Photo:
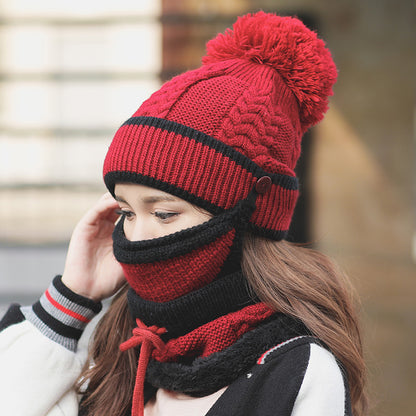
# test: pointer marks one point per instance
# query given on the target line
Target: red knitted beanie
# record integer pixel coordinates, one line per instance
(213, 134)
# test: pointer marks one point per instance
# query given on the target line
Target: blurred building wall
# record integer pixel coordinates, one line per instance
(69, 75)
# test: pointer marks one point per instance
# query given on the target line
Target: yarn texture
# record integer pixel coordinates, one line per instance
(286, 45)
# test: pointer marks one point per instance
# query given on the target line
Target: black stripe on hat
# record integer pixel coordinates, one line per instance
(285, 181)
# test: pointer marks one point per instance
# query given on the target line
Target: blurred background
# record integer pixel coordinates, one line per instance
(72, 72)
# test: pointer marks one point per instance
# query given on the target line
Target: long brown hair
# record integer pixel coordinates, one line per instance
(109, 373)
(306, 284)
(291, 279)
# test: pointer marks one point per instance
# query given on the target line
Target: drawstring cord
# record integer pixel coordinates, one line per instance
(149, 339)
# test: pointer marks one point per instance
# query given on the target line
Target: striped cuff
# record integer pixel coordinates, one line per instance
(61, 314)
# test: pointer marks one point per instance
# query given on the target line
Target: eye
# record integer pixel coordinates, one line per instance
(125, 213)
(164, 216)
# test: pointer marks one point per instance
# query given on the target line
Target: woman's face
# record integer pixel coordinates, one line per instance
(150, 213)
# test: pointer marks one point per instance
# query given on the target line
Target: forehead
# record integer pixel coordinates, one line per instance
(141, 192)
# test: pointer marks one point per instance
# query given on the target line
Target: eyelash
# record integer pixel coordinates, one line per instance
(124, 213)
(163, 216)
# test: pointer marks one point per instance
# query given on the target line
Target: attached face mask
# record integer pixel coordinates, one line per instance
(165, 268)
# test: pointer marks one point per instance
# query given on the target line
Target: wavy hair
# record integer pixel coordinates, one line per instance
(306, 284)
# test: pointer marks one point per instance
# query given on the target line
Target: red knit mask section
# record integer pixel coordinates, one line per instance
(216, 335)
(169, 279)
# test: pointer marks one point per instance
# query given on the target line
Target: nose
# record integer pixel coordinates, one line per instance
(137, 230)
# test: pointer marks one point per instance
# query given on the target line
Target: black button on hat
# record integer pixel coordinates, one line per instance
(263, 184)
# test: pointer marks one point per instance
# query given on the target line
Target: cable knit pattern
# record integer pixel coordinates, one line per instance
(287, 45)
(160, 102)
(252, 126)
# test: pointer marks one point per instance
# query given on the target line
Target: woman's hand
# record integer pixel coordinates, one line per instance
(91, 269)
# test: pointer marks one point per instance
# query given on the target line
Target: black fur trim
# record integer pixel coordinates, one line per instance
(204, 376)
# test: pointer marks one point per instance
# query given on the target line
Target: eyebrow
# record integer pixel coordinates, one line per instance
(158, 198)
(150, 199)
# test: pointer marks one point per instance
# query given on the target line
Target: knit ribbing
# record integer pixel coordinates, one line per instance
(61, 314)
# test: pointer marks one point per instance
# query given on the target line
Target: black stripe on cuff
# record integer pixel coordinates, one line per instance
(74, 297)
(55, 325)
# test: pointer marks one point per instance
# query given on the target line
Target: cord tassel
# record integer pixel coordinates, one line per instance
(149, 339)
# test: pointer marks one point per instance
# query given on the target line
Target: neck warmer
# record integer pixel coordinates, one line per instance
(210, 337)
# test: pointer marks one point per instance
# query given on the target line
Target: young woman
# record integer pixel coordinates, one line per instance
(214, 313)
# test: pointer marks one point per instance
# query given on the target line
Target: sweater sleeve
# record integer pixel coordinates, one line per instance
(39, 360)
(322, 391)
(36, 373)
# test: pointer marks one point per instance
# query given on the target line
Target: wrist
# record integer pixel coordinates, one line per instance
(78, 288)
(61, 314)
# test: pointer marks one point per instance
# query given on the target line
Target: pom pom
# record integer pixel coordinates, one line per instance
(287, 45)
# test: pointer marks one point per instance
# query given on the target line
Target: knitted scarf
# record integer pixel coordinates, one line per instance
(207, 349)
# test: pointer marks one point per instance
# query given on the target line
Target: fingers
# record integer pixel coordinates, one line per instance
(113, 216)
(110, 208)
(104, 209)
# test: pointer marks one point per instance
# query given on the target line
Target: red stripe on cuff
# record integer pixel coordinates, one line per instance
(66, 310)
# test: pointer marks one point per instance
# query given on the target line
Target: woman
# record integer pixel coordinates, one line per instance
(221, 316)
